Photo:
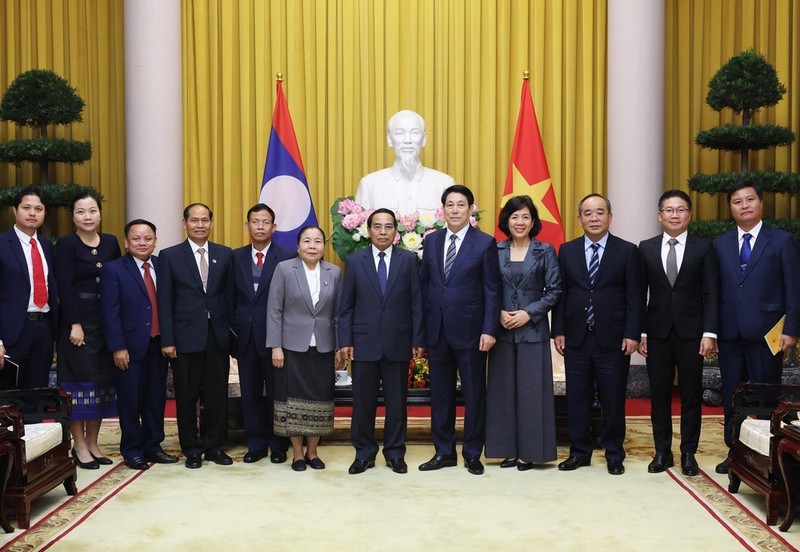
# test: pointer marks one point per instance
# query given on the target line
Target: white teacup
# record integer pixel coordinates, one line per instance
(342, 377)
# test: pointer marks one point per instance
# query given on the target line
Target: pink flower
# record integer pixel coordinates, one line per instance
(396, 238)
(429, 231)
(351, 221)
(409, 222)
(440, 213)
(346, 206)
(473, 208)
(473, 222)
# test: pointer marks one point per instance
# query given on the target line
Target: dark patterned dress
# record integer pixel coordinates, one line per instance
(87, 373)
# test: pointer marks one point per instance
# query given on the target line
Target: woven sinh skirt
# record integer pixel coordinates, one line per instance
(304, 394)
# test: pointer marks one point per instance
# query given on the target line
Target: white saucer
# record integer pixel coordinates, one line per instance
(346, 383)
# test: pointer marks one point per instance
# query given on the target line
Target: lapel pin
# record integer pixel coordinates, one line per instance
(213, 261)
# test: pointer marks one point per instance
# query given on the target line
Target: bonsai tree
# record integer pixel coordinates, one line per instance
(746, 83)
(40, 99)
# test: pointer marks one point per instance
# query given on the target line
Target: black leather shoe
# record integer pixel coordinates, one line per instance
(360, 466)
(398, 465)
(91, 465)
(102, 460)
(278, 456)
(299, 465)
(689, 464)
(573, 463)
(219, 457)
(438, 462)
(524, 466)
(616, 468)
(160, 457)
(137, 463)
(661, 461)
(508, 463)
(722, 467)
(316, 463)
(193, 461)
(474, 466)
(254, 456)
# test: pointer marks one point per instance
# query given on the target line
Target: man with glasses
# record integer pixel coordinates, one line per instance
(680, 287)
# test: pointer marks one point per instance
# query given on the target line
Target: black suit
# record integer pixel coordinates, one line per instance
(29, 343)
(256, 378)
(675, 319)
(197, 323)
(594, 355)
(382, 329)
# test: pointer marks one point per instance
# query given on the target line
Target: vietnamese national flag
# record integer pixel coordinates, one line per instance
(528, 173)
(284, 186)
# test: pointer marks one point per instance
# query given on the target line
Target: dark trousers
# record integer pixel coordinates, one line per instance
(257, 385)
(662, 357)
(33, 352)
(470, 364)
(141, 395)
(202, 376)
(740, 361)
(367, 377)
(584, 366)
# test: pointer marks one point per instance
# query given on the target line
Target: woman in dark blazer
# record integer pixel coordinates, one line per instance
(301, 330)
(520, 413)
(85, 367)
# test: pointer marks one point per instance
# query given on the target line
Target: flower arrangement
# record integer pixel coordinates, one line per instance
(418, 373)
(350, 232)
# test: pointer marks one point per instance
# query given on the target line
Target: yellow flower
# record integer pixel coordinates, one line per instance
(412, 241)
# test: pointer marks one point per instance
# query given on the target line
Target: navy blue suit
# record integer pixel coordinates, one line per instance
(141, 389)
(752, 302)
(251, 352)
(382, 329)
(29, 343)
(458, 310)
(594, 354)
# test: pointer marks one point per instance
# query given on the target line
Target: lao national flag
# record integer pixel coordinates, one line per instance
(528, 173)
(284, 186)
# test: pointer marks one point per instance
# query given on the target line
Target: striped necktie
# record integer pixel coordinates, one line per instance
(594, 264)
(450, 256)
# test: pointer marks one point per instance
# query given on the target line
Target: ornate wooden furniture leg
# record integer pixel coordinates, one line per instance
(6, 463)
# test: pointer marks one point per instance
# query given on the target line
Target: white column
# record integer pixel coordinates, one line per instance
(153, 116)
(635, 115)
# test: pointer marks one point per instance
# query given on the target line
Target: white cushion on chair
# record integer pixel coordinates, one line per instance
(755, 435)
(39, 438)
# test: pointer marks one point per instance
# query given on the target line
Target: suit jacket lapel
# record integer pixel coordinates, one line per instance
(133, 270)
(325, 286)
(16, 249)
(246, 272)
(368, 265)
(761, 244)
(302, 283)
(606, 259)
(191, 264)
(395, 267)
(463, 252)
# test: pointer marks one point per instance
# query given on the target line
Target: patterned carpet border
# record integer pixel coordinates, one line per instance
(73, 512)
(749, 530)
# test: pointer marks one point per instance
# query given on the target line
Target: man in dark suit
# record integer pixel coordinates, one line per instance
(680, 287)
(461, 295)
(380, 330)
(195, 305)
(596, 328)
(253, 266)
(28, 296)
(760, 273)
(131, 325)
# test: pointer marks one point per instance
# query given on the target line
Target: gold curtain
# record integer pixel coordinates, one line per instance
(348, 65)
(81, 40)
(700, 37)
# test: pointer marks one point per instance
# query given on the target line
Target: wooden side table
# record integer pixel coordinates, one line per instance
(788, 451)
(6, 463)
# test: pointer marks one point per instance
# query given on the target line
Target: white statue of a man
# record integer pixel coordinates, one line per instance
(407, 185)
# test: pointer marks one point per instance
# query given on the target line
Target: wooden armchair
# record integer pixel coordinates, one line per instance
(38, 431)
(756, 421)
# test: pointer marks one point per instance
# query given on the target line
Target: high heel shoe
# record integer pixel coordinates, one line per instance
(102, 460)
(93, 465)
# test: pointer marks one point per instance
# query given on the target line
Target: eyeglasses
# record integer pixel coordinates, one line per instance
(675, 210)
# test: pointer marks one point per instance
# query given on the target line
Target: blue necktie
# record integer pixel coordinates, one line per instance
(450, 256)
(744, 254)
(594, 264)
(382, 272)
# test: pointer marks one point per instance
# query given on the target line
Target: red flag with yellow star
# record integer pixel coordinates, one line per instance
(528, 173)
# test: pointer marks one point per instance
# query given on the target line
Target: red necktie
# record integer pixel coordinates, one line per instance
(260, 257)
(150, 286)
(39, 283)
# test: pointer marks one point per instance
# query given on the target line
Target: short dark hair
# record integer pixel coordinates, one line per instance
(515, 204)
(680, 194)
(379, 211)
(580, 203)
(29, 190)
(310, 227)
(136, 222)
(458, 189)
(745, 184)
(86, 195)
(189, 207)
(258, 207)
